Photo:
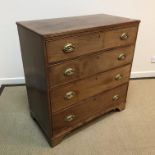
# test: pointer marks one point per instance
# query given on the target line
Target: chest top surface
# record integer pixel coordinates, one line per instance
(61, 26)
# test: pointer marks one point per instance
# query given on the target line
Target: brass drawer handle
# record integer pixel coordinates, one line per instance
(68, 48)
(69, 72)
(69, 118)
(122, 56)
(118, 77)
(69, 95)
(124, 36)
(115, 97)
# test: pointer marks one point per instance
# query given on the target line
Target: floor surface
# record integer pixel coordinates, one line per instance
(130, 132)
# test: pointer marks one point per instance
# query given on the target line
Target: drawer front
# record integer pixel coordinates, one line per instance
(88, 109)
(120, 37)
(64, 96)
(87, 66)
(70, 47)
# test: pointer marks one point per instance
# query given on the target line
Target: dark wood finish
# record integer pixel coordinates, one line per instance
(71, 25)
(88, 87)
(88, 109)
(87, 66)
(84, 43)
(88, 43)
(96, 43)
(32, 50)
(112, 38)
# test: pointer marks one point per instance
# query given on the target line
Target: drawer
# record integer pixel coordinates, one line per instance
(66, 95)
(70, 47)
(87, 66)
(74, 46)
(120, 37)
(88, 109)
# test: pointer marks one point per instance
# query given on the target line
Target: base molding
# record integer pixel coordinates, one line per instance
(16, 80)
(142, 74)
(21, 80)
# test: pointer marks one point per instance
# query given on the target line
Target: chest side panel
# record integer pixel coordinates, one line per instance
(32, 51)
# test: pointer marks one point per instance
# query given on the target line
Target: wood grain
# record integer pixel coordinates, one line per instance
(32, 48)
(88, 87)
(88, 109)
(97, 44)
(90, 65)
(112, 38)
(71, 25)
(88, 43)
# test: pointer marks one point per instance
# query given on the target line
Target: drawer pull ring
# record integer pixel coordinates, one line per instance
(68, 48)
(118, 77)
(69, 118)
(122, 56)
(69, 95)
(115, 97)
(69, 72)
(124, 36)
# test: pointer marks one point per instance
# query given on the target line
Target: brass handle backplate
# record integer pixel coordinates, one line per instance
(122, 56)
(69, 118)
(115, 97)
(118, 77)
(124, 36)
(69, 72)
(69, 95)
(68, 48)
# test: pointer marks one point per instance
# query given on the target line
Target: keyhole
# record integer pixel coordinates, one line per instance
(97, 57)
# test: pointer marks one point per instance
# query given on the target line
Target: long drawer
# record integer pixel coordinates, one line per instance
(88, 109)
(74, 46)
(66, 95)
(87, 66)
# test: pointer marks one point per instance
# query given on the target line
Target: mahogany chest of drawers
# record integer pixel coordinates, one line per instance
(76, 69)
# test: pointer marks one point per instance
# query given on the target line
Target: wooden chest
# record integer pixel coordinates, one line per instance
(76, 69)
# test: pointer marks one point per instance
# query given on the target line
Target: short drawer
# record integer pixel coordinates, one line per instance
(88, 109)
(66, 95)
(70, 47)
(120, 37)
(90, 65)
(74, 46)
